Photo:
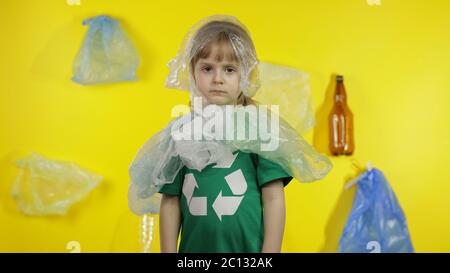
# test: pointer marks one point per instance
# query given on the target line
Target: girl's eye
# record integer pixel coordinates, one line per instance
(207, 69)
(230, 69)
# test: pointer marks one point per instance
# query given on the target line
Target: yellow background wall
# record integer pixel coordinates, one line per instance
(395, 59)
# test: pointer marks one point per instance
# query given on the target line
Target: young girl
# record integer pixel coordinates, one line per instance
(229, 202)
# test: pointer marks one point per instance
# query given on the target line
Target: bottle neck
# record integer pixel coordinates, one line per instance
(340, 96)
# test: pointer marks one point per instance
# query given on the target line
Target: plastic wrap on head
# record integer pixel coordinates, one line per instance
(203, 33)
(160, 159)
(266, 83)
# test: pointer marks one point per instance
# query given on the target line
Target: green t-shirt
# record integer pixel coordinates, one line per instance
(221, 206)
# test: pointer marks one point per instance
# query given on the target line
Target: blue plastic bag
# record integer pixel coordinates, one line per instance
(107, 55)
(376, 222)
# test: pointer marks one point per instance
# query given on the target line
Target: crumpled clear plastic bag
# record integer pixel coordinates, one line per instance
(296, 156)
(107, 54)
(48, 187)
(159, 160)
(376, 222)
(202, 33)
(290, 88)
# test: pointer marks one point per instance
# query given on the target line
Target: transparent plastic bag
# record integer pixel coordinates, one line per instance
(296, 156)
(376, 222)
(160, 159)
(107, 55)
(48, 187)
(289, 88)
(202, 33)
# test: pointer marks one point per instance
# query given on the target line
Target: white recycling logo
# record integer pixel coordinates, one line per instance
(223, 205)
(197, 205)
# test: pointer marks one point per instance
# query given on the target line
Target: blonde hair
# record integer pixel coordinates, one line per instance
(222, 38)
(244, 100)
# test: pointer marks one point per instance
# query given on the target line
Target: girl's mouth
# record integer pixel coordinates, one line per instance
(217, 92)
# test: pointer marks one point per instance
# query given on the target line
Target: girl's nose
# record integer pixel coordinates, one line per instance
(218, 79)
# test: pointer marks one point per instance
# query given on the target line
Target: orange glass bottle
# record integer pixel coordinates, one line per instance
(341, 122)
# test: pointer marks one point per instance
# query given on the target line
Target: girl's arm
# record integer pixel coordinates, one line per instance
(169, 223)
(274, 216)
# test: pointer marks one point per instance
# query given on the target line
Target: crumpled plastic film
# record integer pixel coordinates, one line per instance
(201, 34)
(376, 223)
(48, 187)
(156, 161)
(107, 55)
(160, 159)
(289, 88)
(293, 153)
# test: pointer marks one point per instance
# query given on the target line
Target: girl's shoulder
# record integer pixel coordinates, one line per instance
(253, 157)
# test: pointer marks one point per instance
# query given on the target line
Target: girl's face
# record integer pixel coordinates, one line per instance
(218, 78)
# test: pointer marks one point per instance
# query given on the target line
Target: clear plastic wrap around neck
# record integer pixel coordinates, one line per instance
(180, 144)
